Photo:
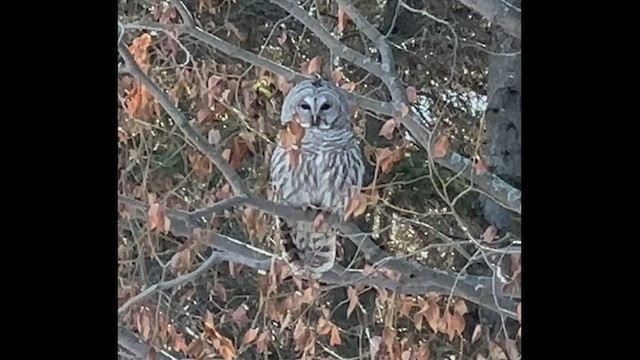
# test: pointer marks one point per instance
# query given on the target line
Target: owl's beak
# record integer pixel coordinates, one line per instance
(314, 120)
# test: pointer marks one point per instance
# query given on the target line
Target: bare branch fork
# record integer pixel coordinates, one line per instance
(490, 184)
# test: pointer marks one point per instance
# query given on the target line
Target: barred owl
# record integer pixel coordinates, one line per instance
(328, 173)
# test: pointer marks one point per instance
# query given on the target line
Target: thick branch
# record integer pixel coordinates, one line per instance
(497, 12)
(388, 64)
(238, 186)
(415, 279)
(187, 18)
(128, 340)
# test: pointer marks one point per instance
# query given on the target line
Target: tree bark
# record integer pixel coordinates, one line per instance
(503, 125)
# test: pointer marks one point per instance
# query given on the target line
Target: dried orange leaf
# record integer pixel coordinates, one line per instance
(412, 94)
(477, 332)
(406, 307)
(417, 321)
(519, 311)
(336, 76)
(226, 154)
(348, 86)
(283, 85)
(154, 215)
(495, 352)
(146, 327)
(219, 290)
(441, 147)
(286, 138)
(406, 355)
(490, 234)
(167, 224)
(386, 130)
(424, 352)
(324, 327)
(318, 221)
(388, 336)
(157, 218)
(286, 322)
(249, 336)
(226, 348)
(214, 136)
(511, 349)
(455, 323)
(432, 314)
(239, 315)
(343, 18)
(263, 341)
(294, 158)
(314, 66)
(335, 336)
(460, 307)
(299, 330)
(203, 114)
(481, 166)
(151, 354)
(356, 206)
(282, 38)
(386, 158)
(404, 110)
(295, 128)
(224, 192)
(352, 295)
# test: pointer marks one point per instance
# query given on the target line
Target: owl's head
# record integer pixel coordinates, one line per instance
(318, 104)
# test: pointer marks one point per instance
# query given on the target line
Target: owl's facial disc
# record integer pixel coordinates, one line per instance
(315, 111)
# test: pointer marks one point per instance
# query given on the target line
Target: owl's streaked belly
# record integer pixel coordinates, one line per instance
(325, 179)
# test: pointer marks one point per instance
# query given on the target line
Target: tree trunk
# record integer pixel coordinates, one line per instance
(503, 122)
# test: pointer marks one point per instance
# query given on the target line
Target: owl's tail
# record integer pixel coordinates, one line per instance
(310, 250)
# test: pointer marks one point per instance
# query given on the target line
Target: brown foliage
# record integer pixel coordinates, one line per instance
(234, 106)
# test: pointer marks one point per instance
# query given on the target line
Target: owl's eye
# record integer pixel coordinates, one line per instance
(325, 106)
(305, 106)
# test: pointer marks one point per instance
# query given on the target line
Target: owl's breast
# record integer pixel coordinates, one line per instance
(325, 179)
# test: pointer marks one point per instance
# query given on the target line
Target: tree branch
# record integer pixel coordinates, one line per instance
(238, 186)
(128, 340)
(415, 278)
(186, 16)
(336, 47)
(388, 63)
(170, 283)
(497, 12)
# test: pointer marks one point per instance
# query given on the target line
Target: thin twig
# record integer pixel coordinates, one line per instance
(171, 283)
